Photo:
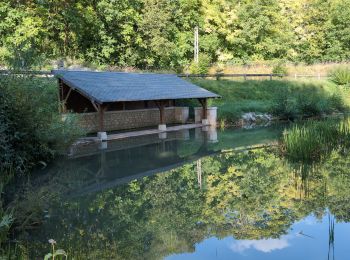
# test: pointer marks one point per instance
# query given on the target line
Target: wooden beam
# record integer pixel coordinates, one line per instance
(161, 106)
(60, 95)
(94, 105)
(101, 112)
(204, 104)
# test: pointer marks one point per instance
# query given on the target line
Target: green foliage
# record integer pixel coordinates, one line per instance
(150, 34)
(280, 68)
(202, 66)
(31, 128)
(340, 76)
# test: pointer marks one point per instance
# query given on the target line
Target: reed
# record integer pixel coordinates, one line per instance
(315, 139)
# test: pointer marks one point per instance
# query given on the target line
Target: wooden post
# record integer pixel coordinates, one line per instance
(204, 104)
(161, 104)
(101, 111)
(270, 76)
(64, 101)
(60, 96)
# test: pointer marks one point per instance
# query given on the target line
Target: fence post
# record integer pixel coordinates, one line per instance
(270, 76)
(245, 76)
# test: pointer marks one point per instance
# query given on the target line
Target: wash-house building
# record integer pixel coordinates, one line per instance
(108, 101)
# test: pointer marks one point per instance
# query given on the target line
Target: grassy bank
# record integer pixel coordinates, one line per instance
(284, 99)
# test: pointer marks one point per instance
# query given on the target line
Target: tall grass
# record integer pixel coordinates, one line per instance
(340, 76)
(316, 139)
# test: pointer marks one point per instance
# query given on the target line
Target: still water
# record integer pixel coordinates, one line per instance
(194, 195)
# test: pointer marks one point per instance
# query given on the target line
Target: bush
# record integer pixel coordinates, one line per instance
(340, 76)
(31, 129)
(202, 66)
(280, 68)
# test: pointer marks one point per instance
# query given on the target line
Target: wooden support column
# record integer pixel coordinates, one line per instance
(101, 112)
(204, 104)
(64, 102)
(161, 106)
(60, 89)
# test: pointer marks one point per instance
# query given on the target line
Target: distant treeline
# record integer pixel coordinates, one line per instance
(158, 34)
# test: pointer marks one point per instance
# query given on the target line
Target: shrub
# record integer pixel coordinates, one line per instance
(202, 66)
(31, 129)
(280, 68)
(340, 76)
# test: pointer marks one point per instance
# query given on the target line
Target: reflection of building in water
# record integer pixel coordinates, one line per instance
(134, 158)
(208, 133)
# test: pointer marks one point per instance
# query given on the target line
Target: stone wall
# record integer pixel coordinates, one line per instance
(129, 119)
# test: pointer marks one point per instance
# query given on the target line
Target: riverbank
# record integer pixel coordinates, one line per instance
(282, 99)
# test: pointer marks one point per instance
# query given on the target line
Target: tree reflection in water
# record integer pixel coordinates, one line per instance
(251, 195)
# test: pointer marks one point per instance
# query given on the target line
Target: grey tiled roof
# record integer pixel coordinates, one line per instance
(121, 86)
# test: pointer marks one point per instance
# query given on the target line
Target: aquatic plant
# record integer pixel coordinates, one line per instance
(315, 139)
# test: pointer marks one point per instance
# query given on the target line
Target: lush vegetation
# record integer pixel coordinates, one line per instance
(31, 128)
(124, 33)
(31, 133)
(284, 99)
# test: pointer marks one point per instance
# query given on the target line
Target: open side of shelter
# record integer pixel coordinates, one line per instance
(108, 101)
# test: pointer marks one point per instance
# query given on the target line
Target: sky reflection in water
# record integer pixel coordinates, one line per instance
(292, 246)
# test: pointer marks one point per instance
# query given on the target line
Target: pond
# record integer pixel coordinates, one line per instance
(194, 194)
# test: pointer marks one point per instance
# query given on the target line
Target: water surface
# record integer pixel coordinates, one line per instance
(195, 195)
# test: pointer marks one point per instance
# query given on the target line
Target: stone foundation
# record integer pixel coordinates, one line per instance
(129, 119)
